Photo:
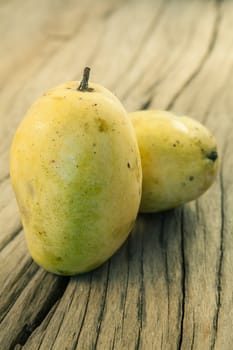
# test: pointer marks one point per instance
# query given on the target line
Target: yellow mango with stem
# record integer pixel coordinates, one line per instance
(76, 172)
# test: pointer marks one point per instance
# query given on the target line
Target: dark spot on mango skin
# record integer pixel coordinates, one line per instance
(101, 124)
(176, 143)
(212, 156)
(191, 178)
(25, 213)
(42, 233)
(128, 165)
(58, 258)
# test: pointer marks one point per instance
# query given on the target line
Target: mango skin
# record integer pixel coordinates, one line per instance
(76, 172)
(177, 155)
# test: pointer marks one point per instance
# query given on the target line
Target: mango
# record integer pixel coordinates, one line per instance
(76, 173)
(179, 158)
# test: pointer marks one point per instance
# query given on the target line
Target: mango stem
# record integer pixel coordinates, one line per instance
(84, 83)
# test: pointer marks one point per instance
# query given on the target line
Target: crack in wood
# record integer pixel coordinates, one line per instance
(141, 297)
(28, 269)
(137, 346)
(114, 339)
(221, 256)
(168, 288)
(199, 68)
(60, 287)
(183, 278)
(61, 319)
(163, 245)
(193, 333)
(146, 104)
(100, 319)
(84, 314)
(126, 288)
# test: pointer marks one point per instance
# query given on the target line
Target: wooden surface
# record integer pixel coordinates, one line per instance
(171, 285)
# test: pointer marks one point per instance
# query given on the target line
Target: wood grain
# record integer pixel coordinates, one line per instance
(170, 285)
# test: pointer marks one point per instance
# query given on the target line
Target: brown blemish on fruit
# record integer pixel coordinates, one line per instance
(191, 178)
(24, 212)
(42, 233)
(102, 124)
(86, 126)
(58, 258)
(94, 145)
(128, 165)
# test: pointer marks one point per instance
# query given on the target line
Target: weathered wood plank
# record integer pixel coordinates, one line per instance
(208, 97)
(170, 286)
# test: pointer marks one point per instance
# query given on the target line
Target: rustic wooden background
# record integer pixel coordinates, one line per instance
(171, 285)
